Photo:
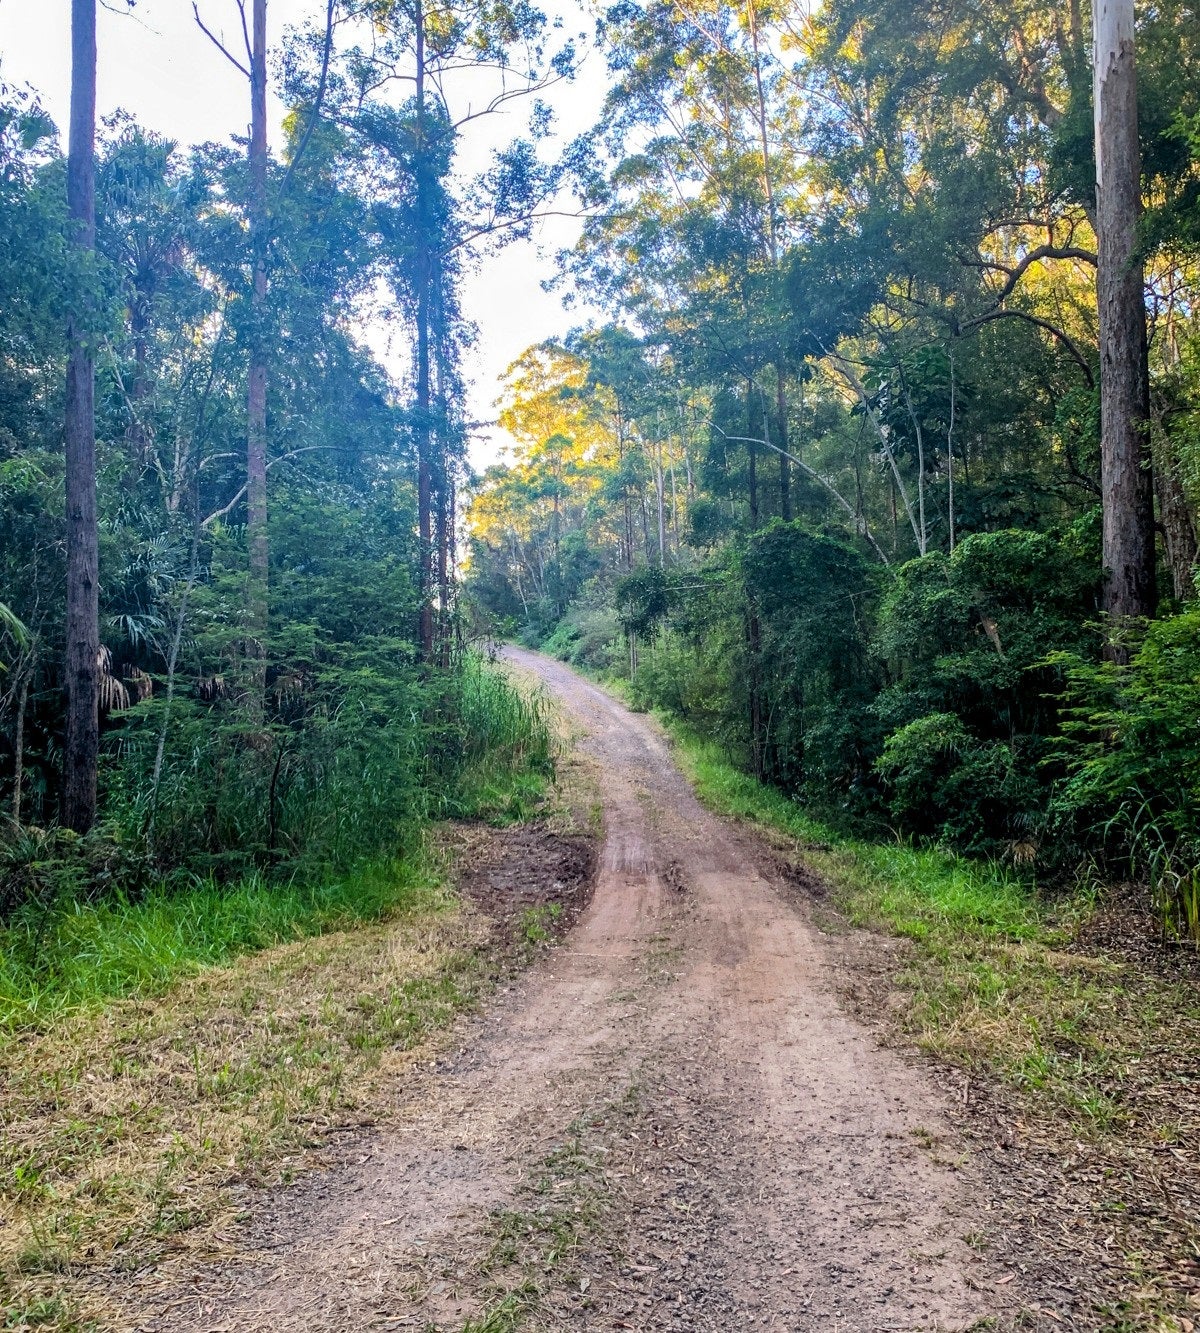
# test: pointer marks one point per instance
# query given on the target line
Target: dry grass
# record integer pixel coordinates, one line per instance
(123, 1129)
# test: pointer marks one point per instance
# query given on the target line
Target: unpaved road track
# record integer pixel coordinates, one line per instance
(772, 1167)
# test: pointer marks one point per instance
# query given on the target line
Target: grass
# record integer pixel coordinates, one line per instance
(123, 1125)
(73, 951)
(914, 891)
(77, 954)
(1096, 1050)
(991, 978)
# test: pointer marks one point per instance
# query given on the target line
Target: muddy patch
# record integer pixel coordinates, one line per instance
(518, 869)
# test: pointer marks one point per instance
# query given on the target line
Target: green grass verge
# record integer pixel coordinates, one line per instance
(914, 891)
(992, 980)
(73, 954)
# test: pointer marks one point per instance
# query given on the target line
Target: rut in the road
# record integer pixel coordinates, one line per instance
(748, 1156)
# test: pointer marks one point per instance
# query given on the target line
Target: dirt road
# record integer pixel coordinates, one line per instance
(670, 1123)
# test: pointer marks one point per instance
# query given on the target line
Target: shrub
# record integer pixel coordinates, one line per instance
(944, 783)
(1131, 747)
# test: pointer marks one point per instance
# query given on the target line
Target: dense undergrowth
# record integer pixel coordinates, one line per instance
(128, 909)
(160, 1045)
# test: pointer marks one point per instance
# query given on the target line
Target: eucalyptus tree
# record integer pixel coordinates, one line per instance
(82, 745)
(1124, 371)
(404, 87)
(704, 194)
(252, 64)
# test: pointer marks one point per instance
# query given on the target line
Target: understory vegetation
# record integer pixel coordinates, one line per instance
(831, 485)
(235, 692)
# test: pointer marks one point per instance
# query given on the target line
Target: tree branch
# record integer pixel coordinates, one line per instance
(1055, 332)
(846, 370)
(859, 520)
(216, 41)
(318, 101)
(283, 458)
(1035, 256)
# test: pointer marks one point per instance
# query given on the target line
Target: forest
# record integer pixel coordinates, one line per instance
(831, 485)
(229, 651)
(715, 845)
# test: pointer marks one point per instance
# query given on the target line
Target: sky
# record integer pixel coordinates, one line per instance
(156, 64)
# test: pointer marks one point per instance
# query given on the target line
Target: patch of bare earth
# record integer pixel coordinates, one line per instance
(669, 1122)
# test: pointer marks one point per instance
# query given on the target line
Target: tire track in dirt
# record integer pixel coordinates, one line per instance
(781, 1171)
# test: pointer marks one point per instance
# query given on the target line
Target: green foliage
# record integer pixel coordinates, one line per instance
(814, 598)
(588, 636)
(1131, 749)
(944, 783)
(43, 867)
(642, 599)
(76, 953)
(972, 709)
(324, 827)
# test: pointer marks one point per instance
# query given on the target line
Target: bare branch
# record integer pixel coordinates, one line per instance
(216, 41)
(1035, 256)
(249, 45)
(1076, 355)
(283, 458)
(492, 228)
(846, 370)
(859, 520)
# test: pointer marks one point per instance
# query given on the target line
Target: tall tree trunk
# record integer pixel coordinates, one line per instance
(83, 557)
(1126, 487)
(442, 479)
(660, 487)
(950, 451)
(785, 463)
(172, 664)
(785, 479)
(19, 743)
(137, 434)
(754, 683)
(424, 282)
(256, 399)
(624, 488)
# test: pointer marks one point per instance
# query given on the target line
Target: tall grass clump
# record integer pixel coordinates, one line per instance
(505, 743)
(260, 829)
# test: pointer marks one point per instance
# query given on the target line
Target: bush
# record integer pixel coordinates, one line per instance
(1131, 746)
(942, 782)
(972, 709)
(588, 637)
(43, 866)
